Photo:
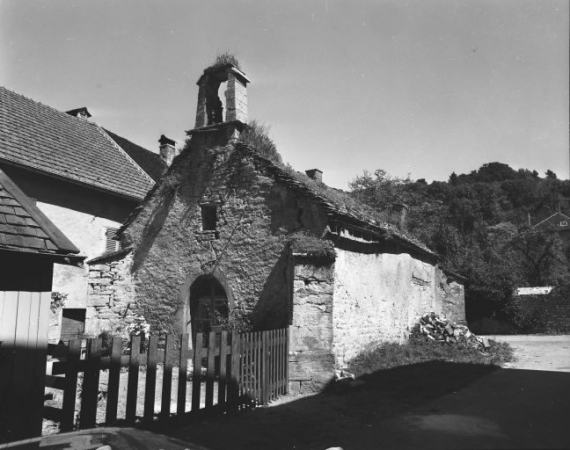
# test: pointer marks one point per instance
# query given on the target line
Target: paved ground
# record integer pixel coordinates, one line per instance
(539, 352)
(467, 406)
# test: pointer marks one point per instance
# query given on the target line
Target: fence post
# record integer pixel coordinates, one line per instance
(70, 390)
(150, 387)
(223, 368)
(90, 391)
(114, 377)
(287, 337)
(197, 373)
(233, 388)
(182, 369)
(167, 378)
(133, 379)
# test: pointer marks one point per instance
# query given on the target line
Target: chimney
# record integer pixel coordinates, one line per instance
(167, 149)
(82, 113)
(210, 107)
(315, 174)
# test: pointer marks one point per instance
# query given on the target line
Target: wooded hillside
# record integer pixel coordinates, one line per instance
(481, 224)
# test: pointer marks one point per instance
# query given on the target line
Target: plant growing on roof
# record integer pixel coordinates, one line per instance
(226, 58)
(256, 136)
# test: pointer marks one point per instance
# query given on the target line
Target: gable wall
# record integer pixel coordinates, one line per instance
(249, 257)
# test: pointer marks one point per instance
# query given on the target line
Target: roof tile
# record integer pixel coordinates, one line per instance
(39, 137)
(31, 230)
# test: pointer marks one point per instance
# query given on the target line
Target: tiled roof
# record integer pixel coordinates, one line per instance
(340, 206)
(149, 161)
(38, 137)
(23, 227)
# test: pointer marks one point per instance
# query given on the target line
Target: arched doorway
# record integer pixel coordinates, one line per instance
(208, 305)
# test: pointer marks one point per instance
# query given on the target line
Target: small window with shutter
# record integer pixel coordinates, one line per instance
(111, 245)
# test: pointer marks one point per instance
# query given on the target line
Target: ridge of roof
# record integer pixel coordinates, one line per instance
(50, 141)
(24, 227)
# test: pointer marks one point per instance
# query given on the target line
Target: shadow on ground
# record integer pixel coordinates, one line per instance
(430, 405)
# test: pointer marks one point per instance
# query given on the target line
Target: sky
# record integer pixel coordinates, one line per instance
(420, 89)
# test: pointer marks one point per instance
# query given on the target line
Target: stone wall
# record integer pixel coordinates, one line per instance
(247, 252)
(109, 306)
(552, 310)
(379, 297)
(311, 347)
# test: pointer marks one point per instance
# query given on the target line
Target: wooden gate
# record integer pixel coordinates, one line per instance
(24, 318)
(161, 378)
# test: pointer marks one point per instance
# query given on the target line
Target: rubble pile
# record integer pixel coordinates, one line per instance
(443, 330)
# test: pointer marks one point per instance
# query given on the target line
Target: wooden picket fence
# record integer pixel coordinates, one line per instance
(229, 371)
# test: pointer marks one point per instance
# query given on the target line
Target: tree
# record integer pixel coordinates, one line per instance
(543, 260)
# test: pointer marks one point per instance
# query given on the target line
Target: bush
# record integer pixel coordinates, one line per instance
(420, 349)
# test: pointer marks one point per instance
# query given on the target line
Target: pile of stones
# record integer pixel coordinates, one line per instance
(443, 330)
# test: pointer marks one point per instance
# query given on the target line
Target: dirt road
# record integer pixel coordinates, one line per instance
(550, 353)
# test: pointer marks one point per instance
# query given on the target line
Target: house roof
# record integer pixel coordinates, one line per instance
(149, 161)
(341, 207)
(24, 228)
(338, 205)
(556, 220)
(43, 139)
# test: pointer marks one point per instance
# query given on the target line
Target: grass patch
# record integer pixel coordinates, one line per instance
(419, 349)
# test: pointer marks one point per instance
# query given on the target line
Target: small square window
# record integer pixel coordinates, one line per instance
(209, 217)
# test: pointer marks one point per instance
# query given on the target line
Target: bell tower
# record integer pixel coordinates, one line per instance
(210, 110)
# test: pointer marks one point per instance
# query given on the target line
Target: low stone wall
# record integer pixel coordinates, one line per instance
(110, 296)
(552, 310)
(311, 361)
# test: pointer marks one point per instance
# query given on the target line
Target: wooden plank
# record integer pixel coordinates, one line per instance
(21, 371)
(8, 337)
(90, 391)
(133, 382)
(222, 380)
(286, 360)
(35, 379)
(114, 381)
(272, 364)
(258, 365)
(262, 366)
(182, 371)
(150, 388)
(211, 369)
(197, 373)
(70, 390)
(9, 318)
(233, 388)
(167, 378)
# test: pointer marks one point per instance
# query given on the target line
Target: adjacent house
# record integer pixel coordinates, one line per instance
(231, 238)
(30, 247)
(85, 179)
